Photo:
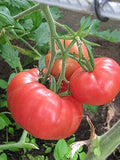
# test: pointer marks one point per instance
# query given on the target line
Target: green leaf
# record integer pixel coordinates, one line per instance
(41, 35)
(40, 157)
(20, 4)
(5, 19)
(4, 121)
(3, 100)
(10, 55)
(41, 63)
(11, 130)
(3, 156)
(28, 24)
(11, 77)
(86, 23)
(3, 84)
(19, 26)
(112, 36)
(4, 9)
(36, 19)
(61, 150)
(82, 155)
(93, 109)
(5, 2)
(71, 140)
(56, 13)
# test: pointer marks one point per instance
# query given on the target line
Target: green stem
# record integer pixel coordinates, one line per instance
(87, 66)
(105, 144)
(32, 48)
(60, 25)
(62, 74)
(20, 67)
(23, 40)
(53, 33)
(24, 135)
(20, 144)
(27, 12)
(17, 145)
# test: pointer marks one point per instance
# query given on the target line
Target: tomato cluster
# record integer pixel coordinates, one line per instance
(43, 113)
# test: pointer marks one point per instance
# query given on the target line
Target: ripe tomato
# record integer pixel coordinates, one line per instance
(99, 86)
(71, 64)
(39, 110)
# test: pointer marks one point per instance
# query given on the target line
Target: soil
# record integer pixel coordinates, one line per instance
(99, 120)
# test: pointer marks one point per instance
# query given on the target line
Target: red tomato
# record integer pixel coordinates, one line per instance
(63, 87)
(71, 64)
(99, 86)
(39, 110)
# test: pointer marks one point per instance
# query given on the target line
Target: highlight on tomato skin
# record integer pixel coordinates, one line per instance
(71, 64)
(98, 87)
(39, 110)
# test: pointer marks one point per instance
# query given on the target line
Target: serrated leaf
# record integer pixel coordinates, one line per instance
(56, 13)
(41, 35)
(20, 4)
(28, 24)
(88, 21)
(3, 84)
(10, 55)
(61, 150)
(4, 121)
(11, 77)
(112, 36)
(4, 9)
(5, 19)
(19, 26)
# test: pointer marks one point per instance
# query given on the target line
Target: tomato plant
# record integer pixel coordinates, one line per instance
(41, 111)
(71, 64)
(99, 86)
(33, 106)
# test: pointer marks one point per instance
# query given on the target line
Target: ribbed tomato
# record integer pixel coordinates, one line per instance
(99, 86)
(39, 110)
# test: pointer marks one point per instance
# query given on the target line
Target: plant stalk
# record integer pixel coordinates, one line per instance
(62, 74)
(20, 144)
(105, 144)
(53, 33)
(27, 12)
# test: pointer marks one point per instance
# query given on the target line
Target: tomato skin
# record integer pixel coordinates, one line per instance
(63, 87)
(98, 87)
(39, 110)
(71, 64)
